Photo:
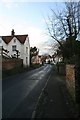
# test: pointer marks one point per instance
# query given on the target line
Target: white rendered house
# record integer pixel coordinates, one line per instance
(17, 42)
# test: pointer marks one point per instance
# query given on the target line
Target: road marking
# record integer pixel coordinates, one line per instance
(34, 112)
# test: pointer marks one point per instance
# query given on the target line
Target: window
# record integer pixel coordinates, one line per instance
(14, 40)
(26, 60)
(13, 47)
(27, 50)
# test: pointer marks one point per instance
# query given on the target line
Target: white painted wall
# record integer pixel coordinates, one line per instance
(27, 52)
(21, 47)
(2, 43)
(11, 43)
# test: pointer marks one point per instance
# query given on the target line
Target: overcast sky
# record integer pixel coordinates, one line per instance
(27, 18)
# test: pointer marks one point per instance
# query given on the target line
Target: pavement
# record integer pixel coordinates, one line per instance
(54, 100)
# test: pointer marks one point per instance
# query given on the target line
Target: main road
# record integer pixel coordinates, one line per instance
(20, 92)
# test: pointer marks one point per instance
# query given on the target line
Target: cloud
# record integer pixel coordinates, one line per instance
(9, 3)
(36, 35)
(38, 0)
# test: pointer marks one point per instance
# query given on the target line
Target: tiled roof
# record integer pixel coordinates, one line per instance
(21, 38)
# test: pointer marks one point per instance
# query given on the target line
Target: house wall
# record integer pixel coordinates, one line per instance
(2, 43)
(36, 60)
(24, 54)
(11, 43)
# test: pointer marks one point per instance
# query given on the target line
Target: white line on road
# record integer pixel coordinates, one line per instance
(34, 112)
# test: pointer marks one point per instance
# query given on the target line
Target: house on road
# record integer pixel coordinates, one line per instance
(36, 59)
(17, 43)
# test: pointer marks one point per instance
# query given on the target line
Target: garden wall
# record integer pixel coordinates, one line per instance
(70, 79)
(8, 64)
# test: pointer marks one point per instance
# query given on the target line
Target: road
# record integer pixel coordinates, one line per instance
(20, 93)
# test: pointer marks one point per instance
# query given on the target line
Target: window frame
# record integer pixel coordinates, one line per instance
(27, 50)
(14, 47)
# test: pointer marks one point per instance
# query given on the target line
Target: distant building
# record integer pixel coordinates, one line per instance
(17, 43)
(49, 59)
(58, 58)
(36, 59)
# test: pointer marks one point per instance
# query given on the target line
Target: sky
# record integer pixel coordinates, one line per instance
(27, 18)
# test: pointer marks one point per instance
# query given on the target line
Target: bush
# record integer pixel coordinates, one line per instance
(35, 66)
(61, 68)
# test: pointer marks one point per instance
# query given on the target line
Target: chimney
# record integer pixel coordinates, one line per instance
(12, 32)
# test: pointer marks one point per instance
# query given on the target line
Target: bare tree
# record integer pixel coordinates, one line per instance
(65, 25)
(33, 52)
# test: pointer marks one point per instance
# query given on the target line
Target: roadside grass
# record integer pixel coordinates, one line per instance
(17, 70)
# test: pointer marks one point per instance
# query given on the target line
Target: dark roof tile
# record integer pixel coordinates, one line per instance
(21, 38)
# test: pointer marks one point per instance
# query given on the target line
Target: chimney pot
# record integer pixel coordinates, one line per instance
(12, 32)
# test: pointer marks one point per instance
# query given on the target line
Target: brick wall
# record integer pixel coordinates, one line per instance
(70, 79)
(8, 64)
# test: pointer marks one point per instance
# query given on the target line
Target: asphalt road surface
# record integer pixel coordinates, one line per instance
(20, 93)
